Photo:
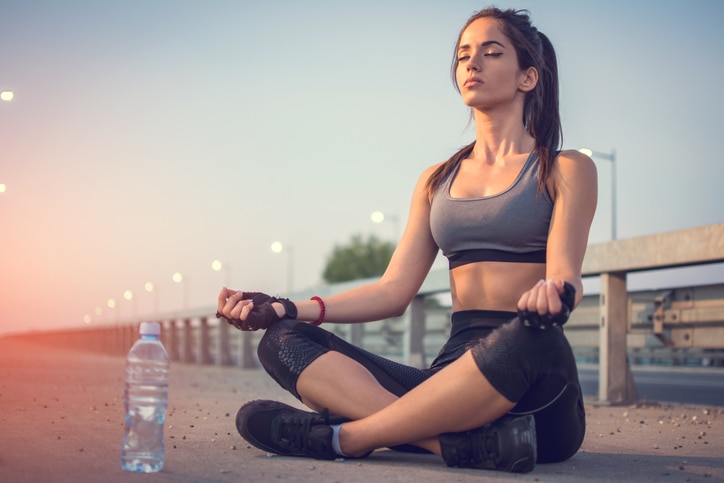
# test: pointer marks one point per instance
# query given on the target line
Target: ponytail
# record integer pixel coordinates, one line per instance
(541, 115)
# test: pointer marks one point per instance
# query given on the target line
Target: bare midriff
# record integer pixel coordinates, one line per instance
(492, 285)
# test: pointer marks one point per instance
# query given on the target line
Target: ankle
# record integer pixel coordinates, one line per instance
(346, 444)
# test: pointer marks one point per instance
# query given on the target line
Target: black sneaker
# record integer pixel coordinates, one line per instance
(507, 444)
(278, 428)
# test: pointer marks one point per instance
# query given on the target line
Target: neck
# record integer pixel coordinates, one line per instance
(500, 134)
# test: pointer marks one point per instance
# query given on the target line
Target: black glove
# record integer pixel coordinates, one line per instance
(263, 314)
(535, 320)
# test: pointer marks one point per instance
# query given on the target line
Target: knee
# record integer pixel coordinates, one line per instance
(272, 342)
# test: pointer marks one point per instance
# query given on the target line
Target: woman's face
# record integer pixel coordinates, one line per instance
(487, 73)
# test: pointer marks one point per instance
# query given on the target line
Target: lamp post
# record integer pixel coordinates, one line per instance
(380, 217)
(612, 158)
(128, 295)
(218, 266)
(111, 303)
(178, 278)
(153, 290)
(278, 247)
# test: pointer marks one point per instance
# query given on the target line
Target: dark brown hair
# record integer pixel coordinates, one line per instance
(541, 117)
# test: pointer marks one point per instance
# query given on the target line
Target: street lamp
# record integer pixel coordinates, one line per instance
(128, 295)
(112, 305)
(152, 289)
(178, 278)
(278, 247)
(218, 266)
(379, 217)
(612, 158)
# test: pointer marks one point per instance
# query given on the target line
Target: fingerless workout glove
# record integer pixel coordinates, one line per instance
(537, 321)
(263, 314)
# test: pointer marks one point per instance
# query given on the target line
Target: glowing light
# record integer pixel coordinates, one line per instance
(111, 303)
(128, 295)
(99, 311)
(377, 217)
(148, 287)
(277, 247)
(7, 96)
(3, 188)
(87, 319)
(216, 265)
(177, 277)
(586, 151)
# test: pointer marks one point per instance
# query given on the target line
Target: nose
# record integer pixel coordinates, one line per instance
(473, 65)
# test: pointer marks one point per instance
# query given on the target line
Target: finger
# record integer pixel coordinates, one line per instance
(236, 307)
(523, 301)
(532, 303)
(246, 309)
(223, 295)
(541, 305)
(554, 297)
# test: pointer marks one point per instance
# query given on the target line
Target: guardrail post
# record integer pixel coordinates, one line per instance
(615, 381)
(173, 342)
(357, 334)
(205, 340)
(248, 360)
(224, 356)
(188, 341)
(414, 347)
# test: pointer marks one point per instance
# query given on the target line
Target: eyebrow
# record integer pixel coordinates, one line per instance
(484, 44)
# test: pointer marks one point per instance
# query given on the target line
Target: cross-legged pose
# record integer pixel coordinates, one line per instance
(512, 214)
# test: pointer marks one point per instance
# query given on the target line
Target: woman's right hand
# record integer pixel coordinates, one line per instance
(252, 310)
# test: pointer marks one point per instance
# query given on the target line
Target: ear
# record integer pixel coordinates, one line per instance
(528, 79)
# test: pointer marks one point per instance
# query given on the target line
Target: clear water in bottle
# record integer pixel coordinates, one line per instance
(145, 401)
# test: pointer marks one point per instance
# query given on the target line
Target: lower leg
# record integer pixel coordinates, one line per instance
(336, 382)
(457, 398)
(346, 388)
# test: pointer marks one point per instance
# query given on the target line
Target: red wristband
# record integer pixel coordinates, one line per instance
(322, 310)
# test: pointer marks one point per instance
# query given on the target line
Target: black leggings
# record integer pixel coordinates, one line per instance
(533, 368)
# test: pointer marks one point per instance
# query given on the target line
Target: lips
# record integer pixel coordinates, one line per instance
(472, 81)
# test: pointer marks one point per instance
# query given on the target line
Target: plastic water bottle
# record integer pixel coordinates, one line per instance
(145, 401)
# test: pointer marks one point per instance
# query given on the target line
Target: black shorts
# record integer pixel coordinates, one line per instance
(531, 367)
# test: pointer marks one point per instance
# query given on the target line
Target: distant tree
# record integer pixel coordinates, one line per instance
(359, 259)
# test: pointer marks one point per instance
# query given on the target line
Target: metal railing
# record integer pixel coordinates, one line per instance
(608, 328)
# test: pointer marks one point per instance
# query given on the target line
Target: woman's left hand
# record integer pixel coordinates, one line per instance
(548, 304)
(544, 298)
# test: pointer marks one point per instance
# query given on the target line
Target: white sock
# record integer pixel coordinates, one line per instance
(335, 440)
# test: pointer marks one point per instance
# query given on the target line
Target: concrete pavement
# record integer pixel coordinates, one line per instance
(62, 421)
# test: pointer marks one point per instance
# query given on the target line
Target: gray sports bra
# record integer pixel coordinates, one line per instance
(511, 226)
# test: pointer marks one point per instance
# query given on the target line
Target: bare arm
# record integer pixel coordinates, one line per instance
(393, 292)
(573, 185)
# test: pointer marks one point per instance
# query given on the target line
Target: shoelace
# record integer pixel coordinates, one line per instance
(484, 447)
(292, 430)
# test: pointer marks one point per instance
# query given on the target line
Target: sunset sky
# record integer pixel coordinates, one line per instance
(153, 137)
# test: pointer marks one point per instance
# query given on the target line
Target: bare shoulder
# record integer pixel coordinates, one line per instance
(571, 165)
(424, 179)
(571, 161)
(429, 171)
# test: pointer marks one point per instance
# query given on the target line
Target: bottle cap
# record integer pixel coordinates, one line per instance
(150, 328)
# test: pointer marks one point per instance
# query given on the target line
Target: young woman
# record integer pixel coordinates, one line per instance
(512, 215)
